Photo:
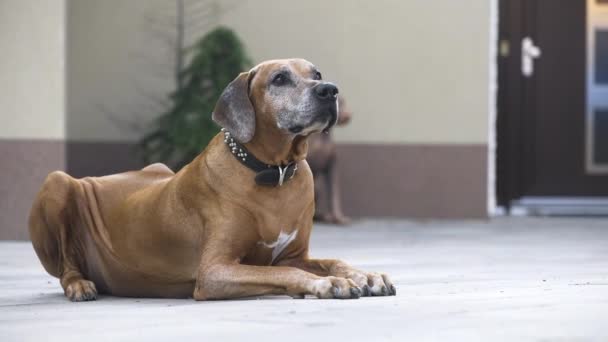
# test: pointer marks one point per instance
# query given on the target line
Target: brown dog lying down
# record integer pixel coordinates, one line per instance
(322, 161)
(233, 223)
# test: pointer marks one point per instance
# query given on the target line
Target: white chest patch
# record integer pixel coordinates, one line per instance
(282, 242)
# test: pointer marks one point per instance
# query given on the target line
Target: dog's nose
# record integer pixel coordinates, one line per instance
(326, 91)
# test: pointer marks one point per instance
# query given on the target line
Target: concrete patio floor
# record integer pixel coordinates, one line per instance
(509, 279)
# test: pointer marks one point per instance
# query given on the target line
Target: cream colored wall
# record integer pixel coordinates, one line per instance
(118, 67)
(32, 53)
(412, 71)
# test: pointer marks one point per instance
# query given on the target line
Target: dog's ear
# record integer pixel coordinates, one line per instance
(234, 111)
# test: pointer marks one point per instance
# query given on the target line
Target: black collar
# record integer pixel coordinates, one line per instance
(266, 174)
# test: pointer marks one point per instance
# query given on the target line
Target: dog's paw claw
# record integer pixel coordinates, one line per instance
(366, 291)
(393, 290)
(335, 287)
(384, 291)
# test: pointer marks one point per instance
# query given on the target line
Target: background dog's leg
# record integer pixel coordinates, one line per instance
(226, 281)
(371, 284)
(333, 195)
(320, 194)
(54, 238)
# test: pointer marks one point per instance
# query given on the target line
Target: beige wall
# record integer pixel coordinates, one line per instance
(412, 71)
(32, 66)
(415, 73)
(118, 67)
(32, 105)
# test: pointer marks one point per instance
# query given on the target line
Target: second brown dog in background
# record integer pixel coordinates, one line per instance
(322, 157)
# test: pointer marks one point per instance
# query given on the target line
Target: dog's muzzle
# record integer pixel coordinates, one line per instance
(327, 94)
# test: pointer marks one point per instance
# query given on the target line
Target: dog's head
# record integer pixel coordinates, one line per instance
(287, 95)
(344, 114)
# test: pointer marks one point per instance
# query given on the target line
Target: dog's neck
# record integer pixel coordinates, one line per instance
(277, 148)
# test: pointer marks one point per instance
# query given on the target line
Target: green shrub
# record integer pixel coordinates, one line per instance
(185, 128)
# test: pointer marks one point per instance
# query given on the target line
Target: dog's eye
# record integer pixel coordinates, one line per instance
(317, 76)
(279, 80)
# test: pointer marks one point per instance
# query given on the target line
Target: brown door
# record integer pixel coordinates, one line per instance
(553, 99)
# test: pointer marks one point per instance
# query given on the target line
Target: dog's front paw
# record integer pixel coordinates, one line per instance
(335, 287)
(341, 220)
(81, 290)
(373, 284)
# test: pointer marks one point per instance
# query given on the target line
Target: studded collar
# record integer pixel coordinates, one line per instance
(266, 174)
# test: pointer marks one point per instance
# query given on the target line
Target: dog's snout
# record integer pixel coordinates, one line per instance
(326, 91)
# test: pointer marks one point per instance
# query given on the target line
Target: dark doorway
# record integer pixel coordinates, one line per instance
(552, 124)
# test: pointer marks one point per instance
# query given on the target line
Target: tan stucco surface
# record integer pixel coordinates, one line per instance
(412, 71)
(32, 66)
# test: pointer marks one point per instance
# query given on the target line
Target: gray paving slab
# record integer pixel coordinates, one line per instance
(509, 279)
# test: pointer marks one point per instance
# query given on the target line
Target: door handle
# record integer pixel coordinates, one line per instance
(529, 52)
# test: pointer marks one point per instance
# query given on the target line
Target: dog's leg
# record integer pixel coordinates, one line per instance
(54, 238)
(224, 281)
(321, 198)
(333, 194)
(371, 284)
